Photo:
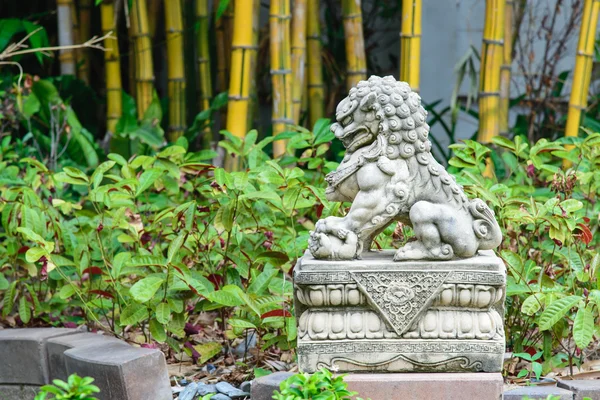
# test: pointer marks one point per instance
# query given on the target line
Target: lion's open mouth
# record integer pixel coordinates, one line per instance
(357, 138)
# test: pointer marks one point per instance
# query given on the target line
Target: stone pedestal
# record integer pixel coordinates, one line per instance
(377, 315)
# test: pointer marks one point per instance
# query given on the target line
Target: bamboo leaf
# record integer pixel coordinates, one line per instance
(223, 4)
(556, 311)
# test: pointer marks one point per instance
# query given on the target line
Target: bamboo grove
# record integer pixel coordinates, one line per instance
(226, 42)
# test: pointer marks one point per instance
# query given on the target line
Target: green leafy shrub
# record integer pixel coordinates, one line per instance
(548, 211)
(321, 385)
(76, 388)
(152, 240)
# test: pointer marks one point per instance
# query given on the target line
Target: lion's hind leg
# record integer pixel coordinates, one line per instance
(425, 217)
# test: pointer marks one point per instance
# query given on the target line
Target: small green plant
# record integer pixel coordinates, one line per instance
(76, 388)
(535, 367)
(321, 385)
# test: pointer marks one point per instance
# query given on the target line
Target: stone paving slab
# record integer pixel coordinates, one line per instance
(538, 393)
(122, 372)
(18, 392)
(582, 388)
(23, 354)
(430, 386)
(57, 346)
(262, 388)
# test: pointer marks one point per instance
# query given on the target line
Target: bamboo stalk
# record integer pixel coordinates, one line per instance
(153, 15)
(142, 47)
(410, 43)
(239, 86)
(281, 71)
(355, 45)
(505, 69)
(298, 56)
(316, 89)
(205, 91)
(254, 104)
(85, 7)
(583, 66)
(491, 60)
(114, 107)
(65, 36)
(224, 37)
(175, 68)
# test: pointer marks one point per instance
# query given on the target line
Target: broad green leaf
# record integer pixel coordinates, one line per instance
(175, 246)
(34, 254)
(133, 313)
(24, 309)
(225, 298)
(157, 330)
(556, 311)
(240, 323)
(532, 304)
(291, 328)
(147, 179)
(583, 327)
(208, 351)
(163, 313)
(144, 289)
(75, 173)
(261, 282)
(3, 282)
(66, 291)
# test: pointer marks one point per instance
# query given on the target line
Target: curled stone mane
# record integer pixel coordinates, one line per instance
(401, 115)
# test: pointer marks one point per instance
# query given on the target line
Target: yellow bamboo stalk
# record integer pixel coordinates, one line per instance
(205, 91)
(281, 71)
(298, 56)
(583, 66)
(316, 89)
(142, 48)
(505, 69)
(491, 60)
(114, 107)
(239, 85)
(85, 7)
(355, 44)
(410, 43)
(175, 68)
(254, 105)
(65, 37)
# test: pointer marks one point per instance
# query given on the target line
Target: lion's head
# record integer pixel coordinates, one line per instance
(386, 108)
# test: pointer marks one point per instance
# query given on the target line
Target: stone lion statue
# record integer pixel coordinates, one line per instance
(389, 174)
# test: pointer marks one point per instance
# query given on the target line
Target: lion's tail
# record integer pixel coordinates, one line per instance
(485, 226)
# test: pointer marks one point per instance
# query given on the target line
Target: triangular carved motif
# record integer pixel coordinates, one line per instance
(400, 296)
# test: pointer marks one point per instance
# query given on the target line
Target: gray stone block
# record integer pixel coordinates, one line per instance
(18, 392)
(263, 387)
(24, 357)
(538, 393)
(57, 346)
(122, 372)
(582, 388)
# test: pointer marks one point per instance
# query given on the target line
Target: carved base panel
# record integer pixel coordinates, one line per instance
(375, 314)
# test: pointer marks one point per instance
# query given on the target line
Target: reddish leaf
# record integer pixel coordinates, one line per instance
(93, 271)
(217, 280)
(586, 234)
(102, 293)
(23, 249)
(276, 313)
(320, 208)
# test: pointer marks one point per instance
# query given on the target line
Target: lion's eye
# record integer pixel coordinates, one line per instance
(347, 121)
